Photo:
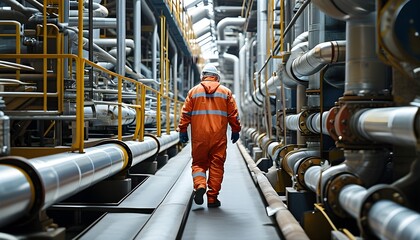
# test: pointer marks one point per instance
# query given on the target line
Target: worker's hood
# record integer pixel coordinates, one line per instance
(210, 85)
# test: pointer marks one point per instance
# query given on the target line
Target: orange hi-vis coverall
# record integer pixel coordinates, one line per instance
(209, 108)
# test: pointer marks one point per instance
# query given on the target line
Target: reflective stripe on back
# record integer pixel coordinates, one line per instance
(212, 95)
(209, 112)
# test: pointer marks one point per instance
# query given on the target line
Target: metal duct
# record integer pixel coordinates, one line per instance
(395, 125)
(318, 57)
(198, 14)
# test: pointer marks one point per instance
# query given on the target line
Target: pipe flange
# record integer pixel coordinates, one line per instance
(303, 117)
(374, 194)
(284, 150)
(333, 189)
(39, 188)
(304, 165)
(332, 113)
(349, 105)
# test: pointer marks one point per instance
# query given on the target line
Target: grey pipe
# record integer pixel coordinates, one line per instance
(65, 174)
(112, 42)
(395, 125)
(27, 11)
(121, 31)
(365, 73)
(344, 9)
(292, 122)
(351, 199)
(15, 194)
(318, 57)
(137, 35)
(198, 14)
(97, 22)
(235, 60)
(388, 220)
(229, 21)
(261, 37)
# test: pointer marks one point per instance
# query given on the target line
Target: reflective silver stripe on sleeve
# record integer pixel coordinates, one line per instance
(209, 112)
(199, 174)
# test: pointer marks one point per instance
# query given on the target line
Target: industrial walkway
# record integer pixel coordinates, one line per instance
(242, 214)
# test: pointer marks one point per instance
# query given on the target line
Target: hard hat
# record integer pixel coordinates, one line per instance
(210, 70)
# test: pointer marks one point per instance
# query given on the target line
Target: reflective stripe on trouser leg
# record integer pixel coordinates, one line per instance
(216, 170)
(199, 179)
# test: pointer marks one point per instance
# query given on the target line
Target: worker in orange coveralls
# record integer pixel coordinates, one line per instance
(209, 108)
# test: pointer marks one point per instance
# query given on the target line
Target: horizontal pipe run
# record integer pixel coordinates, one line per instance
(394, 125)
(351, 199)
(287, 223)
(388, 220)
(311, 178)
(292, 122)
(319, 56)
(16, 196)
(65, 174)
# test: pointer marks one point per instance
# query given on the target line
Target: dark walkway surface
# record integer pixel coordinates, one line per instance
(242, 214)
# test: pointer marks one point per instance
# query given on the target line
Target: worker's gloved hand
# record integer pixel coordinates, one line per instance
(183, 137)
(234, 137)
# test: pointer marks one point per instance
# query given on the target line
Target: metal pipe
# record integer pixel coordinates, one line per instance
(365, 73)
(137, 35)
(351, 199)
(344, 9)
(97, 22)
(318, 57)
(395, 125)
(292, 122)
(235, 60)
(15, 196)
(229, 21)
(121, 31)
(388, 220)
(27, 11)
(65, 174)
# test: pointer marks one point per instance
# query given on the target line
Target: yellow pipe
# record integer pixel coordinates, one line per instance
(143, 109)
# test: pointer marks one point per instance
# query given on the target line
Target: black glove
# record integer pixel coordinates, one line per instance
(183, 137)
(234, 137)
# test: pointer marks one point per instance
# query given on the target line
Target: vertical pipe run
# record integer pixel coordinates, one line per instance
(137, 35)
(121, 31)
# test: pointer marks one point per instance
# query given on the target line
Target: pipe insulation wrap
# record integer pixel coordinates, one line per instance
(167, 141)
(318, 57)
(351, 199)
(388, 220)
(292, 122)
(311, 177)
(395, 125)
(66, 174)
(16, 196)
(142, 150)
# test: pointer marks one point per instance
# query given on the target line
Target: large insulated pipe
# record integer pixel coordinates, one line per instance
(235, 60)
(318, 57)
(395, 125)
(40, 182)
(386, 219)
(225, 22)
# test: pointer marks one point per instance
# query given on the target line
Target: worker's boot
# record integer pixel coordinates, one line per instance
(213, 204)
(198, 197)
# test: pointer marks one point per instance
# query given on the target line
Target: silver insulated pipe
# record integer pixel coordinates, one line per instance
(40, 182)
